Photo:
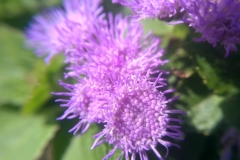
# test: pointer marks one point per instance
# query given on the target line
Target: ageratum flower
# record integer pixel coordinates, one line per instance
(62, 29)
(121, 48)
(217, 20)
(118, 52)
(138, 119)
(43, 36)
(151, 8)
(114, 63)
(85, 101)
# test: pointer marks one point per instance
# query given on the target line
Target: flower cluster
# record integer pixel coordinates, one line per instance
(217, 20)
(115, 65)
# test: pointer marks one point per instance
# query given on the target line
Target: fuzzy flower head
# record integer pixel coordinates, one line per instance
(119, 51)
(120, 48)
(217, 20)
(62, 29)
(43, 36)
(151, 8)
(85, 101)
(138, 119)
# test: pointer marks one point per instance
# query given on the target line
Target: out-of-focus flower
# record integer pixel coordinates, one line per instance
(138, 119)
(43, 36)
(151, 8)
(62, 29)
(217, 20)
(229, 139)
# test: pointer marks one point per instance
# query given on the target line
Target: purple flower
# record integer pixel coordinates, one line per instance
(62, 29)
(151, 8)
(217, 20)
(119, 51)
(230, 138)
(113, 63)
(118, 90)
(85, 102)
(138, 118)
(119, 47)
(42, 34)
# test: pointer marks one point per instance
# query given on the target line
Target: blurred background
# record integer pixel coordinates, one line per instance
(207, 82)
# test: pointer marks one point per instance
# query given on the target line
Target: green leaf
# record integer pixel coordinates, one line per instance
(190, 93)
(168, 33)
(158, 27)
(16, 67)
(181, 64)
(10, 8)
(46, 83)
(210, 76)
(62, 139)
(202, 107)
(217, 72)
(205, 115)
(231, 109)
(24, 137)
(80, 147)
(180, 31)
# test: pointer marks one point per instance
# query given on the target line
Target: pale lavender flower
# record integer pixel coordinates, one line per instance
(117, 62)
(151, 8)
(217, 20)
(121, 48)
(85, 102)
(119, 51)
(138, 119)
(42, 34)
(62, 29)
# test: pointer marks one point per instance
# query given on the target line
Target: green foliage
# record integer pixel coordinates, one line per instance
(164, 31)
(46, 83)
(79, 147)
(230, 107)
(211, 66)
(181, 64)
(11, 8)
(206, 114)
(16, 67)
(24, 137)
(157, 27)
